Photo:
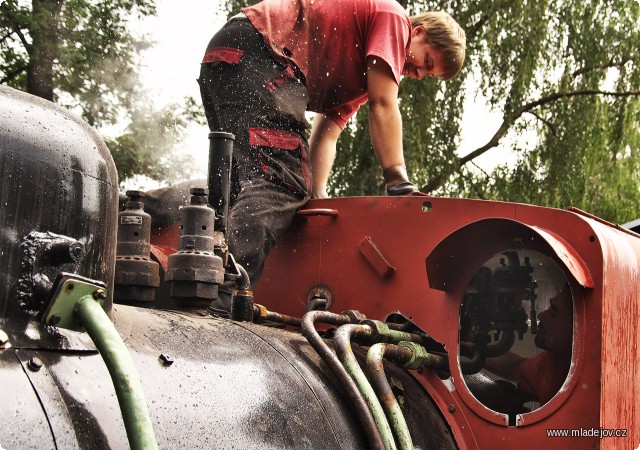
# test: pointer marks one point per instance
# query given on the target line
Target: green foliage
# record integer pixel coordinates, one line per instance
(585, 82)
(567, 71)
(233, 6)
(92, 52)
(83, 55)
(148, 144)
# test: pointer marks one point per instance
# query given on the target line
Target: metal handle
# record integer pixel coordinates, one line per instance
(318, 212)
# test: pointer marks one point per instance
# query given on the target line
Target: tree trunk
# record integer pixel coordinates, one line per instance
(44, 48)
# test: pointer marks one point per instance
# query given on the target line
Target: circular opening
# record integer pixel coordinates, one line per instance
(516, 332)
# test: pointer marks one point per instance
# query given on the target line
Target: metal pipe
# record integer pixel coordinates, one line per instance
(375, 367)
(354, 395)
(260, 313)
(502, 346)
(243, 282)
(219, 183)
(124, 375)
(381, 332)
(342, 342)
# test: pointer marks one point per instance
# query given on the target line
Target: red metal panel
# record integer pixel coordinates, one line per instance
(324, 250)
(600, 262)
(372, 253)
(620, 358)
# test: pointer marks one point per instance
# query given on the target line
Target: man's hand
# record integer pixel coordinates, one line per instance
(397, 181)
(319, 194)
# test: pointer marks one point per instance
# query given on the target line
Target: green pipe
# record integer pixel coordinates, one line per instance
(342, 341)
(123, 372)
(378, 331)
(392, 407)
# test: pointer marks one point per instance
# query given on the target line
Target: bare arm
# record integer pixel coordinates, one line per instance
(322, 151)
(385, 122)
(506, 366)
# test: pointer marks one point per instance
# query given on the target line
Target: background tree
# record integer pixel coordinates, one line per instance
(567, 71)
(81, 54)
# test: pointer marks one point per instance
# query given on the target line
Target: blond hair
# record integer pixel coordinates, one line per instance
(444, 33)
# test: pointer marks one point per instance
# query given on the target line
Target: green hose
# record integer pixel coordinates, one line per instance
(353, 368)
(123, 373)
(391, 405)
(342, 341)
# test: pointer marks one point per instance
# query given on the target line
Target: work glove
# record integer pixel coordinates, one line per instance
(397, 181)
(402, 188)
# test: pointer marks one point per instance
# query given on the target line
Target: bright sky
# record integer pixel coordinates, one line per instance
(181, 31)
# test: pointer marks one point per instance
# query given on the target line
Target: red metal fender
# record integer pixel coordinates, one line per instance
(444, 261)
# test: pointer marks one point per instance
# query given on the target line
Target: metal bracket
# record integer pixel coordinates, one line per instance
(67, 290)
(374, 256)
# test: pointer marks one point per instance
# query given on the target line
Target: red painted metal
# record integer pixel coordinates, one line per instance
(377, 260)
(435, 247)
(435, 251)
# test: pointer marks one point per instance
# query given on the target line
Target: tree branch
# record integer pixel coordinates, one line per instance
(508, 122)
(599, 66)
(23, 39)
(13, 74)
(475, 28)
(543, 120)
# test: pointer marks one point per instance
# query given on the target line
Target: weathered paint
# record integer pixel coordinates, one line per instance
(620, 385)
(324, 250)
(599, 261)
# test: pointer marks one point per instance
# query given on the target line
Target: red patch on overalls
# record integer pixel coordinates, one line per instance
(268, 137)
(280, 79)
(224, 54)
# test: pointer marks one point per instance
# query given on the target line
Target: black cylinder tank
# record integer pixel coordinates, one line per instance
(58, 201)
(209, 384)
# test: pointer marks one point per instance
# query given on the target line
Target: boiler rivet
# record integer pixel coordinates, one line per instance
(35, 364)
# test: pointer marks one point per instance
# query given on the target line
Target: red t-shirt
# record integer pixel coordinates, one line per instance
(542, 376)
(329, 40)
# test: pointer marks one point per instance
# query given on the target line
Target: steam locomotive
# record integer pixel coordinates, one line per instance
(372, 326)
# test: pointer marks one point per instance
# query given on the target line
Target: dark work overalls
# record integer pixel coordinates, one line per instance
(262, 101)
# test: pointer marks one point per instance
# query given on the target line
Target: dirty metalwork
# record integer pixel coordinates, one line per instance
(349, 310)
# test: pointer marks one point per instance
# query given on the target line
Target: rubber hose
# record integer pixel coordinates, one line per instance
(381, 385)
(330, 358)
(124, 375)
(342, 341)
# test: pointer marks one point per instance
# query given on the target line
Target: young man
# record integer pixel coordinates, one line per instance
(541, 377)
(280, 58)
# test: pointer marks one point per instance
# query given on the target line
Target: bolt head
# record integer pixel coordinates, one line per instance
(4, 339)
(166, 360)
(55, 320)
(35, 364)
(99, 294)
